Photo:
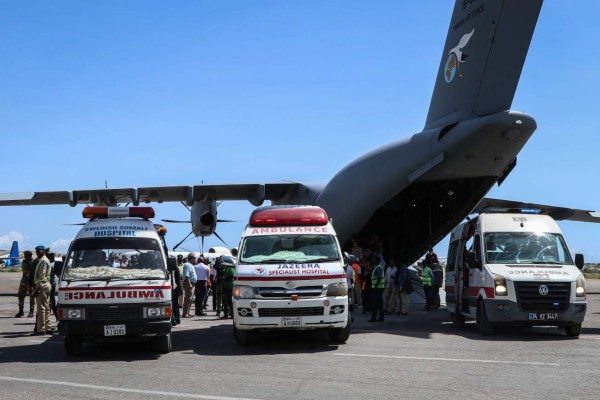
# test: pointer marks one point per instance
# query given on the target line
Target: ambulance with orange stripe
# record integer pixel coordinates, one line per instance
(290, 275)
(114, 283)
(514, 269)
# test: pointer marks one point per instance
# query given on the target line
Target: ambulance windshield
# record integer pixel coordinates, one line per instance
(526, 248)
(277, 249)
(115, 258)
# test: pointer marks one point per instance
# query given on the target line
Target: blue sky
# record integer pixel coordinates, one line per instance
(142, 93)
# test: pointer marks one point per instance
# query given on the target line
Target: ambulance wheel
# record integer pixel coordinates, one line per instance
(573, 330)
(164, 344)
(72, 346)
(483, 323)
(340, 335)
(242, 337)
(457, 319)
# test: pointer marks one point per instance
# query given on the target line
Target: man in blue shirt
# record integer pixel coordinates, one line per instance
(189, 280)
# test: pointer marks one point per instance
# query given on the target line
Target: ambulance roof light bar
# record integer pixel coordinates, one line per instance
(118, 212)
(289, 216)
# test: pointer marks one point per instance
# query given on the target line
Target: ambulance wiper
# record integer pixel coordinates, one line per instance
(88, 279)
(547, 262)
(275, 260)
(324, 259)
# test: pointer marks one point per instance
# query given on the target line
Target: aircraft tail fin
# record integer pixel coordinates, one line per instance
(13, 257)
(483, 57)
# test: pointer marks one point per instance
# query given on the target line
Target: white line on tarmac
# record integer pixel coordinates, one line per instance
(119, 389)
(450, 359)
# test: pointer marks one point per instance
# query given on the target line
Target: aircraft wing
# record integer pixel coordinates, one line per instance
(254, 193)
(558, 213)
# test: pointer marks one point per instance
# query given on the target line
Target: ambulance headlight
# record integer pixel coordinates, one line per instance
(580, 286)
(157, 312)
(243, 292)
(500, 285)
(71, 313)
(337, 289)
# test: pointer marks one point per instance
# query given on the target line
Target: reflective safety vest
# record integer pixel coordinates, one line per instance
(374, 284)
(426, 275)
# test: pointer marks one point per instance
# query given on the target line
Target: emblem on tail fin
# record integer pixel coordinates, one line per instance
(455, 57)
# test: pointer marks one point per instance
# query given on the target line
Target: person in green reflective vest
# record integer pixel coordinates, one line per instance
(377, 285)
(427, 279)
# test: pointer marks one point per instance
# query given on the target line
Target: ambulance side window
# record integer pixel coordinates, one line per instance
(477, 248)
(452, 253)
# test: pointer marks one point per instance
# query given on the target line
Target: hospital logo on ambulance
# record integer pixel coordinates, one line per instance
(260, 271)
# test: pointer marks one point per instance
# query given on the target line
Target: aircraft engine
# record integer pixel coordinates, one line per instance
(204, 217)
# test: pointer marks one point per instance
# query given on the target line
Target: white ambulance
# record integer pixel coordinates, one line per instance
(290, 274)
(114, 283)
(514, 269)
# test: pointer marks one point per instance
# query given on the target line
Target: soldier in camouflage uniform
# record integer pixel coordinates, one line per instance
(25, 287)
(41, 281)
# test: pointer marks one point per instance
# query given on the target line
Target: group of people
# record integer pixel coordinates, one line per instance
(38, 282)
(377, 287)
(196, 279)
(382, 288)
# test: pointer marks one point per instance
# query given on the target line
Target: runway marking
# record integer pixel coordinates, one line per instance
(450, 359)
(119, 389)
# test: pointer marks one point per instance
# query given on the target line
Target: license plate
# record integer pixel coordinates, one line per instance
(543, 316)
(290, 322)
(114, 330)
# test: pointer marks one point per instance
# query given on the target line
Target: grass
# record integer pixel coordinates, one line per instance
(11, 269)
(591, 275)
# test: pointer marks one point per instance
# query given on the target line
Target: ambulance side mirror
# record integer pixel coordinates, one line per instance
(234, 252)
(579, 261)
(58, 267)
(352, 259)
(171, 263)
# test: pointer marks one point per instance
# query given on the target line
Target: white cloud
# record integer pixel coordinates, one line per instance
(6, 240)
(60, 245)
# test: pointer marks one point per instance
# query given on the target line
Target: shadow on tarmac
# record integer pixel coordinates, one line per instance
(421, 324)
(218, 341)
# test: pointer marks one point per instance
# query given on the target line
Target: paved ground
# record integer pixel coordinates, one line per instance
(419, 356)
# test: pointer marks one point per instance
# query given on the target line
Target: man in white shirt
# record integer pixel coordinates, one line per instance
(189, 279)
(390, 295)
(202, 271)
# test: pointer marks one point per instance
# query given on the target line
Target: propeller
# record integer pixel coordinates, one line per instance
(180, 243)
(175, 221)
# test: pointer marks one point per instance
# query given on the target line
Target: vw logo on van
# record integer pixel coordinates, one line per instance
(290, 284)
(543, 290)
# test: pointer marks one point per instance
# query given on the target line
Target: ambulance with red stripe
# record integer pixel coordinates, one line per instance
(514, 269)
(290, 275)
(114, 283)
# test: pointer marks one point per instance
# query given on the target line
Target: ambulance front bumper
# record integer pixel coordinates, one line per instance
(506, 312)
(303, 314)
(87, 329)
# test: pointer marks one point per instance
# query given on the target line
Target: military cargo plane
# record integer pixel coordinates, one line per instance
(413, 191)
